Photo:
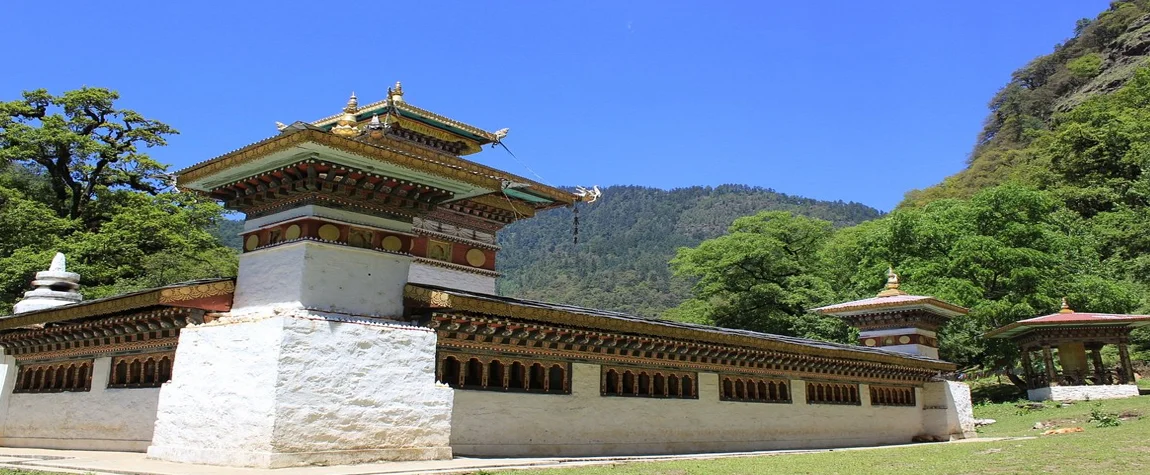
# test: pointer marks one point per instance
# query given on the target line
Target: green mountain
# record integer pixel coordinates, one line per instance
(628, 236)
(1100, 58)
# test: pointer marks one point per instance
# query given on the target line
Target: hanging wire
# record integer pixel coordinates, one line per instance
(575, 211)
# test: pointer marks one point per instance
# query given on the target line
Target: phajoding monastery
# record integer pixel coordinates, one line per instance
(364, 326)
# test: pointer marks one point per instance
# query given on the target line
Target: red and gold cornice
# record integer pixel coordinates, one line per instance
(441, 300)
(469, 333)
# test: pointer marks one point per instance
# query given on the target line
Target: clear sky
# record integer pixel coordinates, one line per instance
(840, 100)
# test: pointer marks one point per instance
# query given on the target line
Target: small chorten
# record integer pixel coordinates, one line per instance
(52, 288)
(894, 320)
(346, 125)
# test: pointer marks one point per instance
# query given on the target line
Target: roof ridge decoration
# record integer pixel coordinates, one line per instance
(891, 284)
(1065, 307)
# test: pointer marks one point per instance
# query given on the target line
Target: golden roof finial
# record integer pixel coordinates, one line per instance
(352, 104)
(395, 94)
(1065, 307)
(891, 284)
(345, 127)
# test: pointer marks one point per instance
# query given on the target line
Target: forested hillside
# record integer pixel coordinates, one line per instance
(627, 238)
(1055, 203)
(1101, 56)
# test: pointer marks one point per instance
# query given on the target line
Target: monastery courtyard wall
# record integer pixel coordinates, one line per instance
(101, 419)
(585, 423)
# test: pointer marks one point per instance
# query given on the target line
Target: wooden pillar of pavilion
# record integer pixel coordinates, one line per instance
(1097, 364)
(1048, 361)
(1125, 369)
(1027, 368)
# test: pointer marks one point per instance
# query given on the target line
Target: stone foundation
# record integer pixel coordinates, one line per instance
(1083, 393)
(287, 388)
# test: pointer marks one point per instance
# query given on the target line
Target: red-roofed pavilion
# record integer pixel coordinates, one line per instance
(1068, 335)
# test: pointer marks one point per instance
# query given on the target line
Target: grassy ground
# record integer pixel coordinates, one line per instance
(1121, 449)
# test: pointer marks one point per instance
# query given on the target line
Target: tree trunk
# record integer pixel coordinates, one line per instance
(1017, 381)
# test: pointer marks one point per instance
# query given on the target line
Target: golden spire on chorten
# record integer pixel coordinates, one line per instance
(346, 125)
(891, 284)
(395, 94)
(1065, 307)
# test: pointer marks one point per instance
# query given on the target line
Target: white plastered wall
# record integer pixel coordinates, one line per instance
(451, 278)
(101, 419)
(948, 412)
(323, 277)
(1083, 393)
(289, 388)
(487, 423)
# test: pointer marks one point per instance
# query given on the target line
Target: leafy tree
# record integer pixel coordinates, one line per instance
(83, 143)
(763, 275)
(72, 180)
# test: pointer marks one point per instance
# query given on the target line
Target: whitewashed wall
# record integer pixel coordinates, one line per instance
(491, 423)
(276, 389)
(1083, 393)
(450, 278)
(102, 419)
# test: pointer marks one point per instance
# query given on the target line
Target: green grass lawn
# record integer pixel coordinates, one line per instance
(1121, 449)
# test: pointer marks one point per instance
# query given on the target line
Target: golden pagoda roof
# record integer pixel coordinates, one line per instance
(396, 102)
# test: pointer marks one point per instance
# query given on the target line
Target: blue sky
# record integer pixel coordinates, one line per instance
(839, 100)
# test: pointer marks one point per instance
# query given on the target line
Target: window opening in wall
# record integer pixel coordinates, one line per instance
(892, 396)
(832, 393)
(53, 377)
(474, 376)
(482, 372)
(611, 383)
(140, 371)
(556, 379)
(753, 389)
(495, 372)
(518, 376)
(638, 383)
(538, 375)
(628, 382)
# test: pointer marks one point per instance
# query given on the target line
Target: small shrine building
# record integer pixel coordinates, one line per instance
(363, 326)
(895, 320)
(1055, 359)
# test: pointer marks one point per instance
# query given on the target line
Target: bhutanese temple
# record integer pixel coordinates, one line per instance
(364, 325)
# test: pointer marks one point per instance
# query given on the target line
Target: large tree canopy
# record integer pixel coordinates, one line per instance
(72, 180)
(83, 143)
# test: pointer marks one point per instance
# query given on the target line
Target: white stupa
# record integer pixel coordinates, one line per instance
(52, 288)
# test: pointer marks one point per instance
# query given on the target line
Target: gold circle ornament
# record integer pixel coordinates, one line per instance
(329, 232)
(904, 339)
(292, 232)
(252, 242)
(476, 258)
(869, 342)
(392, 243)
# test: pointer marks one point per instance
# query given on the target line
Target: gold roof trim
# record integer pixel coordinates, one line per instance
(402, 105)
(172, 295)
(437, 298)
(442, 165)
